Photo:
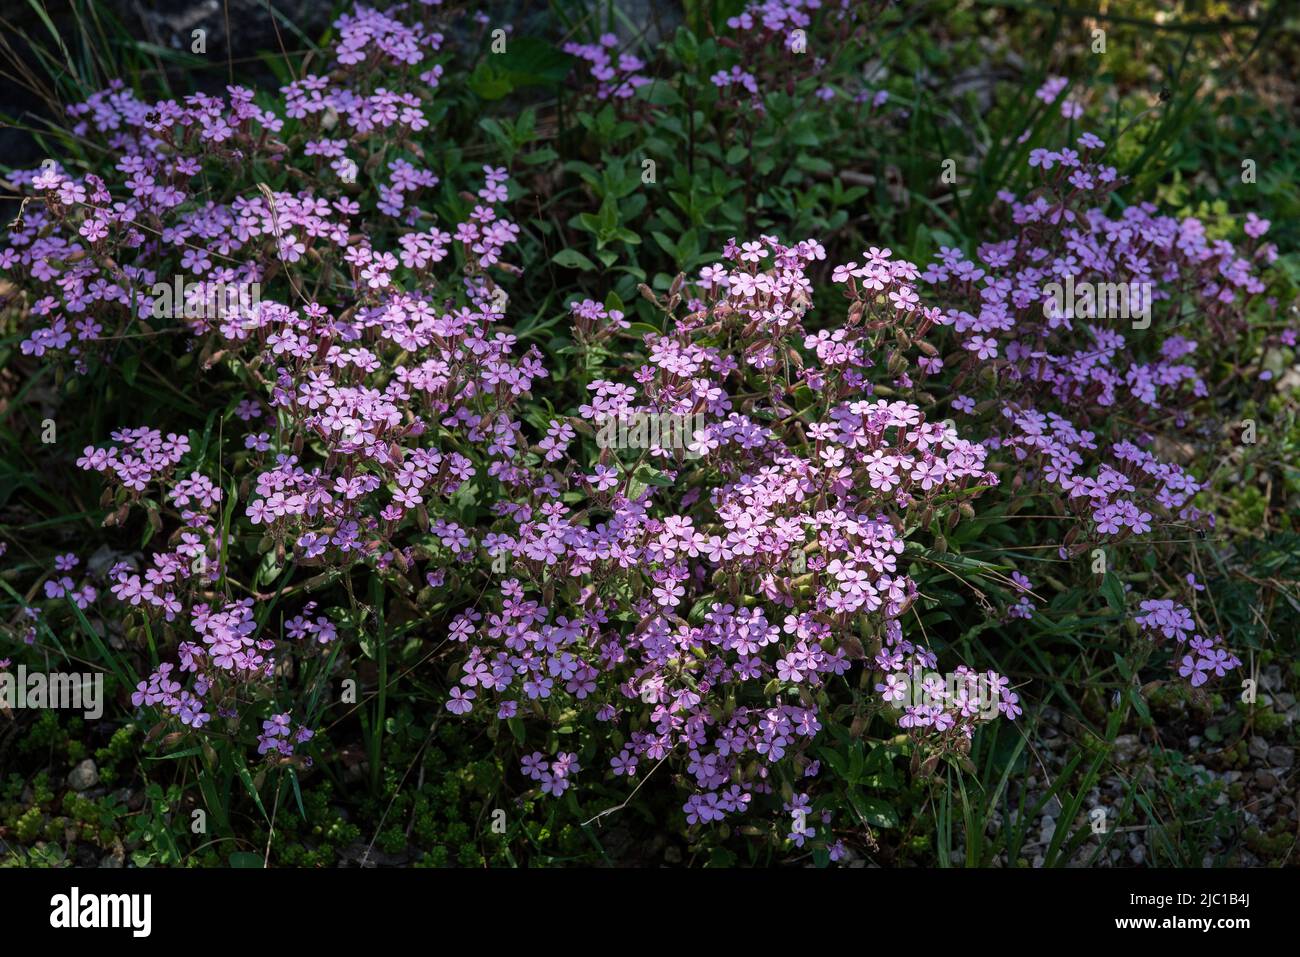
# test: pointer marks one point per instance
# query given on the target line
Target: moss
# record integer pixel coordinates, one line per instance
(392, 840)
(44, 794)
(28, 826)
(1271, 847)
(1269, 722)
(437, 857)
(469, 856)
(1247, 507)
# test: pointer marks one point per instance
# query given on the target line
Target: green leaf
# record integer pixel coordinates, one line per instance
(1112, 589)
(490, 83)
(105, 655)
(247, 778)
(531, 61)
(537, 157)
(131, 366)
(572, 259)
(666, 244)
(873, 810)
(649, 475)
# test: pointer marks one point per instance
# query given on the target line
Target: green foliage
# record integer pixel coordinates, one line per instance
(631, 194)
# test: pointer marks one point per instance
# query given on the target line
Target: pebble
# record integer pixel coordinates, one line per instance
(84, 776)
(1281, 757)
(1271, 679)
(1258, 747)
(1126, 746)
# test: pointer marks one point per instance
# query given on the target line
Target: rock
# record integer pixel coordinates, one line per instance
(1194, 741)
(1258, 747)
(1265, 780)
(1280, 757)
(1082, 856)
(84, 776)
(360, 854)
(1126, 748)
(1138, 855)
(116, 856)
(104, 558)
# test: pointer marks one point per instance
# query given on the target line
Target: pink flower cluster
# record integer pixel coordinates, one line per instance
(665, 584)
(144, 456)
(1168, 619)
(1060, 368)
(781, 17)
(554, 776)
(616, 78)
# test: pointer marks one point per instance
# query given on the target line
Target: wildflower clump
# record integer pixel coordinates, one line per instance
(1076, 338)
